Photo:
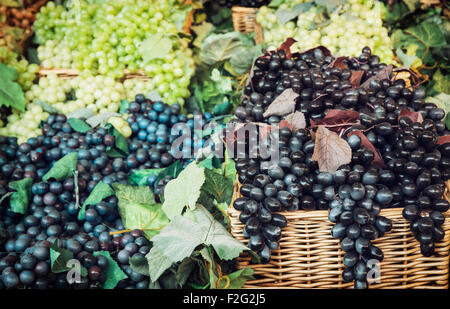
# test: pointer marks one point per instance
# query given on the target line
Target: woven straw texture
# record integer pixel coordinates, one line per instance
(244, 20)
(309, 257)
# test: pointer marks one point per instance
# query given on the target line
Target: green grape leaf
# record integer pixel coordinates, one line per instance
(11, 94)
(331, 5)
(63, 168)
(217, 48)
(442, 101)
(20, 199)
(409, 61)
(223, 108)
(139, 265)
(172, 170)
(100, 192)
(82, 113)
(275, 3)
(411, 4)
(244, 58)
(46, 107)
(239, 277)
(184, 190)
(121, 142)
(156, 46)
(178, 239)
(113, 273)
(218, 186)
(138, 209)
(425, 35)
(440, 83)
(158, 263)
(201, 32)
(101, 119)
(184, 270)
(124, 105)
(139, 177)
(79, 125)
(59, 258)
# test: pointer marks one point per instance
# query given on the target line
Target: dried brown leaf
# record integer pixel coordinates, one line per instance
(414, 116)
(330, 151)
(295, 121)
(284, 104)
(378, 160)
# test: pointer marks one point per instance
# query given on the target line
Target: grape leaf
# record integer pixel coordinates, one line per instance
(139, 177)
(378, 160)
(59, 257)
(139, 265)
(158, 263)
(156, 46)
(384, 73)
(101, 119)
(124, 105)
(184, 190)
(183, 234)
(81, 113)
(113, 273)
(330, 151)
(217, 48)
(63, 168)
(284, 104)
(79, 125)
(201, 32)
(414, 116)
(425, 35)
(239, 277)
(218, 186)
(184, 270)
(286, 46)
(275, 3)
(442, 101)
(355, 78)
(335, 119)
(11, 94)
(295, 121)
(409, 61)
(172, 170)
(138, 209)
(100, 192)
(443, 139)
(19, 200)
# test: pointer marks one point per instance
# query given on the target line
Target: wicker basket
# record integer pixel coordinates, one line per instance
(309, 257)
(244, 20)
(72, 73)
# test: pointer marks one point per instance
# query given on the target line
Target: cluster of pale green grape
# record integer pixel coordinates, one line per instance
(24, 125)
(354, 25)
(26, 71)
(105, 37)
(99, 93)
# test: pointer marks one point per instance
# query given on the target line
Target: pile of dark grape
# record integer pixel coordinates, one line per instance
(407, 166)
(244, 3)
(52, 214)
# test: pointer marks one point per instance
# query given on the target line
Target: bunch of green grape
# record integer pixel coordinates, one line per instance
(107, 37)
(98, 93)
(26, 71)
(353, 25)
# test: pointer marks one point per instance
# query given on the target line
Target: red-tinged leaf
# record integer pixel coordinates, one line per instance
(382, 74)
(286, 46)
(335, 119)
(339, 62)
(284, 123)
(378, 160)
(330, 151)
(355, 78)
(414, 116)
(284, 104)
(443, 140)
(294, 121)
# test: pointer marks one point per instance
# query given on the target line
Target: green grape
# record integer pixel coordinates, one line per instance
(356, 24)
(104, 38)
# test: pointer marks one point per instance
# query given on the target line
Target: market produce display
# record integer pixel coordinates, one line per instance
(136, 136)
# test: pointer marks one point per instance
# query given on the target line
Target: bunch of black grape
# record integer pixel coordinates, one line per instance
(290, 184)
(355, 210)
(321, 86)
(244, 3)
(126, 246)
